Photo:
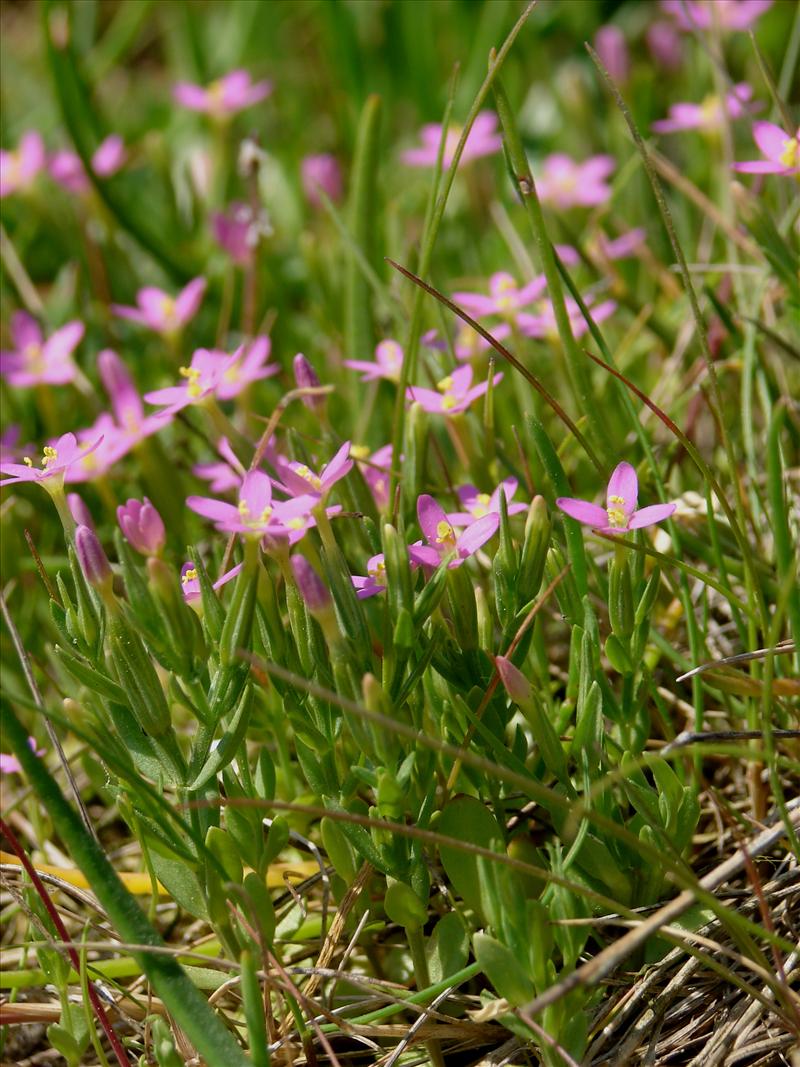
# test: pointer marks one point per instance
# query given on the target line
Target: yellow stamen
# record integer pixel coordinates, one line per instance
(189, 576)
(790, 153)
(444, 533)
(446, 384)
(308, 476)
(296, 524)
(27, 461)
(192, 375)
(359, 451)
(616, 517)
(49, 455)
(448, 402)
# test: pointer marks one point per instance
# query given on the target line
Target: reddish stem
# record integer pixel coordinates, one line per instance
(63, 933)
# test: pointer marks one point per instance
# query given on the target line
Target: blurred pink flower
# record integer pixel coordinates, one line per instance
(468, 344)
(704, 14)
(19, 166)
(483, 140)
(131, 423)
(57, 459)
(782, 150)
(67, 169)
(566, 184)
(442, 538)
(710, 115)
(249, 365)
(505, 296)
(202, 379)
(239, 230)
(619, 514)
(35, 361)
(453, 394)
(375, 469)
(321, 172)
(622, 247)
(612, 48)
(96, 463)
(388, 363)
(477, 505)
(664, 43)
(543, 323)
(374, 581)
(226, 96)
(160, 312)
(11, 765)
(222, 475)
(10, 448)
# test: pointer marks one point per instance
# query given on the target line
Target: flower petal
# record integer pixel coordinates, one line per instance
(583, 511)
(623, 483)
(477, 534)
(648, 516)
(430, 514)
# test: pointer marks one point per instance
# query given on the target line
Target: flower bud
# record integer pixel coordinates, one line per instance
(122, 392)
(517, 685)
(321, 172)
(79, 511)
(611, 47)
(312, 589)
(142, 526)
(307, 378)
(92, 558)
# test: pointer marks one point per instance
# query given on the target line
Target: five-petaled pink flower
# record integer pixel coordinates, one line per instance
(782, 150)
(299, 480)
(478, 505)
(483, 140)
(566, 184)
(374, 581)
(215, 374)
(453, 394)
(388, 363)
(226, 96)
(256, 514)
(35, 361)
(126, 403)
(56, 461)
(705, 14)
(19, 166)
(160, 312)
(619, 514)
(443, 541)
(505, 296)
(542, 324)
(710, 115)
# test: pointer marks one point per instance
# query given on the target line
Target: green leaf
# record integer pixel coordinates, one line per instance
(470, 821)
(506, 973)
(447, 948)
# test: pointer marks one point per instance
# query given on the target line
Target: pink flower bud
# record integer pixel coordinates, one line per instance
(517, 685)
(611, 47)
(307, 378)
(79, 511)
(142, 526)
(321, 172)
(92, 558)
(311, 587)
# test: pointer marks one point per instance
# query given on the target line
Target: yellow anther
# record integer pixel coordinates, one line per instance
(616, 500)
(189, 576)
(446, 384)
(616, 517)
(479, 510)
(483, 498)
(192, 374)
(265, 514)
(296, 524)
(378, 571)
(308, 476)
(444, 532)
(359, 451)
(448, 402)
(244, 510)
(168, 308)
(49, 455)
(790, 153)
(27, 461)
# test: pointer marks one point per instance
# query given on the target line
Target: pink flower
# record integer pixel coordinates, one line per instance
(209, 374)
(36, 361)
(190, 583)
(374, 581)
(226, 96)
(97, 462)
(321, 172)
(622, 247)
(10, 448)
(19, 167)
(704, 14)
(142, 526)
(223, 475)
(442, 538)
(453, 394)
(312, 589)
(160, 312)
(566, 183)
(375, 469)
(126, 403)
(665, 45)
(388, 363)
(505, 296)
(11, 765)
(710, 115)
(239, 230)
(619, 514)
(612, 48)
(249, 365)
(781, 149)
(307, 378)
(298, 480)
(478, 505)
(255, 514)
(483, 140)
(57, 459)
(543, 323)
(468, 344)
(66, 166)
